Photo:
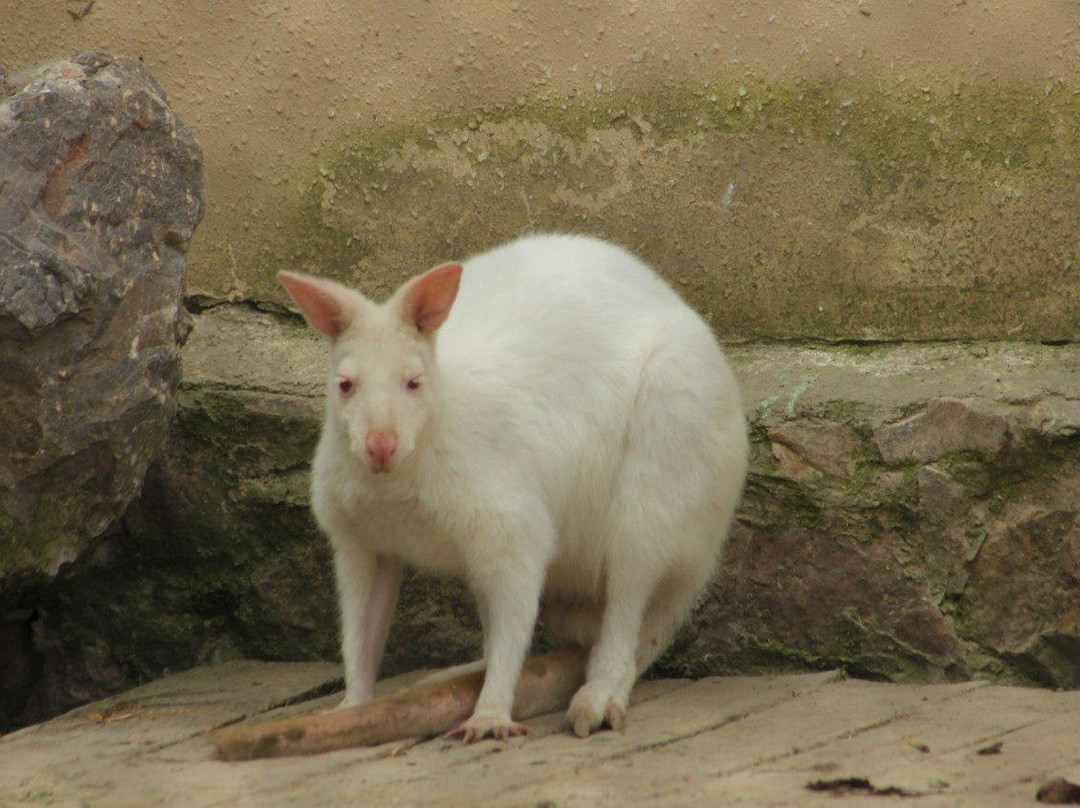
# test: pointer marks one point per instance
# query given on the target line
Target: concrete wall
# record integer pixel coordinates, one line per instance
(821, 169)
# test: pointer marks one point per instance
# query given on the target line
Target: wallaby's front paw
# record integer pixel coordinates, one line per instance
(487, 725)
(593, 706)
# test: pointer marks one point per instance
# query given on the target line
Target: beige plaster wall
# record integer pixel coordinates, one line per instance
(826, 168)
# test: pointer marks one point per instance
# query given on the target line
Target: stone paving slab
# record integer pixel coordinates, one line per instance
(748, 741)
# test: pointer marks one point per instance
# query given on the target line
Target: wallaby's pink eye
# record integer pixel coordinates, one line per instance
(413, 384)
(344, 385)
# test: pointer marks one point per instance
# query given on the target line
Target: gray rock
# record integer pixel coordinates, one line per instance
(806, 446)
(1023, 596)
(946, 544)
(944, 426)
(100, 193)
(1056, 416)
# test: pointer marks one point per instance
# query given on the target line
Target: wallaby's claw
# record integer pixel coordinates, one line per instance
(480, 727)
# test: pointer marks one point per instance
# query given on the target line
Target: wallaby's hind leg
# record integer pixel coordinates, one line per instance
(662, 524)
(611, 670)
(671, 603)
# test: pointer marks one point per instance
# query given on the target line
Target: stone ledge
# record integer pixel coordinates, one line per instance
(239, 347)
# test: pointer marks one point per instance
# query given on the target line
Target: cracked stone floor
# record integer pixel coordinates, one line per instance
(803, 739)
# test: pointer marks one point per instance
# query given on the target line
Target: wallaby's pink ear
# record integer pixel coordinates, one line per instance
(426, 301)
(327, 306)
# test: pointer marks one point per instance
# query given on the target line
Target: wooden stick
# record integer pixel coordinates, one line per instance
(547, 683)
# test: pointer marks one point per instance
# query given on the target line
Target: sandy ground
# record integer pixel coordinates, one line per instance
(806, 739)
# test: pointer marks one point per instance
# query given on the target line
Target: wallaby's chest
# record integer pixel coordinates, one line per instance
(406, 529)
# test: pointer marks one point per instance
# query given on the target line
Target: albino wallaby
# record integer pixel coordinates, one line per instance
(547, 421)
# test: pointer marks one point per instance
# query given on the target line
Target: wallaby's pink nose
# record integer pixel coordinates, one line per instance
(381, 445)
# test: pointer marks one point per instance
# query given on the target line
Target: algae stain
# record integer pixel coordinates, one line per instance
(401, 196)
(788, 399)
(797, 391)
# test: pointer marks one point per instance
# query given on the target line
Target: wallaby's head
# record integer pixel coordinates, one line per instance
(382, 361)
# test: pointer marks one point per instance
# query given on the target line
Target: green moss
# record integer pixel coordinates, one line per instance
(244, 436)
(41, 797)
(26, 546)
(759, 656)
(763, 655)
(792, 500)
(325, 248)
(11, 548)
(572, 119)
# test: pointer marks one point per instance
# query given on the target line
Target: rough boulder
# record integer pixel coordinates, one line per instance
(100, 192)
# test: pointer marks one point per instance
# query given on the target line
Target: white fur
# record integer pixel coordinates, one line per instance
(578, 435)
